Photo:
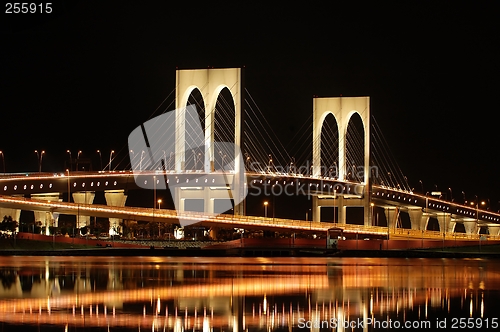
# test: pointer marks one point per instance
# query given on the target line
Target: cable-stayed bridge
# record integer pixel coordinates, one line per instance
(346, 164)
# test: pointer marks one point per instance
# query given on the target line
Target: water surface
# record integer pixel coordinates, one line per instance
(246, 294)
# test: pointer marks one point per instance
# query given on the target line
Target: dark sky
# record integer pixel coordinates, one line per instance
(84, 76)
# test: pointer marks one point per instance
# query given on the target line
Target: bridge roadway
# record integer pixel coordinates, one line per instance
(13, 187)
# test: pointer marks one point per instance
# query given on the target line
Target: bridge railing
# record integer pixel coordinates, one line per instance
(413, 233)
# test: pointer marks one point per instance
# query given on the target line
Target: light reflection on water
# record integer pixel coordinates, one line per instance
(242, 294)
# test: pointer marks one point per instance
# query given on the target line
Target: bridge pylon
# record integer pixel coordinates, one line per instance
(342, 109)
(210, 83)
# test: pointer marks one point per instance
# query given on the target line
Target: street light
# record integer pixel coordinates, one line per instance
(70, 159)
(477, 208)
(266, 203)
(100, 158)
(154, 193)
(110, 154)
(334, 196)
(3, 160)
(132, 158)
(159, 224)
(371, 213)
(451, 194)
(78, 158)
(39, 157)
(69, 190)
(140, 161)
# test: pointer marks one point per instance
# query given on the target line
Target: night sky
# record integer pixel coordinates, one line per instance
(84, 76)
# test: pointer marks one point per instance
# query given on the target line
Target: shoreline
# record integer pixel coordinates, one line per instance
(236, 248)
(253, 252)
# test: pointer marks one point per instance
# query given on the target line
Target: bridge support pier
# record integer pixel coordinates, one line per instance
(208, 195)
(83, 197)
(445, 223)
(494, 230)
(420, 219)
(316, 209)
(416, 216)
(391, 215)
(47, 218)
(471, 227)
(424, 221)
(115, 198)
(338, 202)
(342, 208)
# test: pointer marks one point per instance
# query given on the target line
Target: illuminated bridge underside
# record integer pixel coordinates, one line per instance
(28, 184)
(173, 217)
(323, 187)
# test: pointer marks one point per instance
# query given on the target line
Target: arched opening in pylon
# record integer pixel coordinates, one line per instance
(194, 151)
(355, 149)
(329, 150)
(224, 131)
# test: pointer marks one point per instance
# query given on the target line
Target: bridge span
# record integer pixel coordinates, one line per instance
(17, 188)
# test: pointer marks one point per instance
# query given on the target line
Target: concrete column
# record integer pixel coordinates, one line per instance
(416, 218)
(342, 210)
(424, 221)
(471, 227)
(46, 217)
(180, 138)
(367, 212)
(316, 209)
(239, 184)
(494, 230)
(115, 198)
(391, 215)
(83, 197)
(445, 223)
(208, 201)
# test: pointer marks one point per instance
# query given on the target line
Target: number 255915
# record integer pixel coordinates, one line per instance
(28, 8)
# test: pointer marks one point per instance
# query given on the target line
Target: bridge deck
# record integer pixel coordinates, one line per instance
(226, 220)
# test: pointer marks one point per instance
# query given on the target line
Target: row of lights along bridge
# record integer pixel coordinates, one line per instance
(40, 154)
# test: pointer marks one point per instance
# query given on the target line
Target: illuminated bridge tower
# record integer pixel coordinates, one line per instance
(342, 109)
(210, 83)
